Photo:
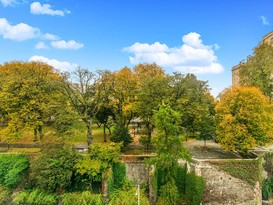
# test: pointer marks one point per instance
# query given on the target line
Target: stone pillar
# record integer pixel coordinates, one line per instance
(152, 194)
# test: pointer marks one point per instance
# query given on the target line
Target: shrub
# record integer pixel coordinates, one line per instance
(267, 188)
(195, 187)
(128, 197)
(11, 167)
(53, 169)
(121, 135)
(36, 197)
(79, 198)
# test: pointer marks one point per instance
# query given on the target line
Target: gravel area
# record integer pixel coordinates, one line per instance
(212, 150)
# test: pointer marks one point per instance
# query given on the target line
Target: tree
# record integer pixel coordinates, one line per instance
(101, 157)
(257, 70)
(103, 116)
(153, 89)
(29, 95)
(191, 98)
(122, 94)
(84, 94)
(244, 119)
(169, 149)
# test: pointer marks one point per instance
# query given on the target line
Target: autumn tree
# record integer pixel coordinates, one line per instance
(257, 70)
(84, 94)
(29, 95)
(244, 119)
(153, 89)
(123, 92)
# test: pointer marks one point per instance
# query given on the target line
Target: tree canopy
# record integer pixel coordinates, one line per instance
(257, 70)
(244, 119)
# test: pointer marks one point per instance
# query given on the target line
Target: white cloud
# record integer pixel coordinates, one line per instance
(192, 57)
(41, 45)
(72, 45)
(49, 36)
(46, 9)
(265, 20)
(60, 65)
(9, 2)
(18, 32)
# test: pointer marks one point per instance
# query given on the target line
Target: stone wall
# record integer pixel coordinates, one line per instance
(221, 187)
(224, 189)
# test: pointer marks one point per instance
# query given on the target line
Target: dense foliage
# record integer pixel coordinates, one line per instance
(11, 168)
(267, 185)
(85, 197)
(244, 119)
(35, 197)
(257, 69)
(53, 169)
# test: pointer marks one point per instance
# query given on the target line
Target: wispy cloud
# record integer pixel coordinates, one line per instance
(6, 3)
(72, 45)
(191, 57)
(46, 9)
(18, 32)
(60, 65)
(41, 45)
(265, 21)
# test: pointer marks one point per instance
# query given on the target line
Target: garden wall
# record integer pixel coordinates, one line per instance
(228, 182)
(225, 185)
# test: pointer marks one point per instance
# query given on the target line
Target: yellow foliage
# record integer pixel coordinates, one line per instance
(244, 119)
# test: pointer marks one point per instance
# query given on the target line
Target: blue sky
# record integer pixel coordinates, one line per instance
(205, 37)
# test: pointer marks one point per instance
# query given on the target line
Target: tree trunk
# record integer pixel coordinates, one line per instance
(41, 134)
(104, 133)
(109, 130)
(89, 131)
(35, 135)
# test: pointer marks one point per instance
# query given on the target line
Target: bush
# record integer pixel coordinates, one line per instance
(121, 135)
(79, 198)
(267, 189)
(128, 197)
(36, 197)
(53, 169)
(195, 187)
(11, 167)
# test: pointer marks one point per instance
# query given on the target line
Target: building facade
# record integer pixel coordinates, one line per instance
(268, 38)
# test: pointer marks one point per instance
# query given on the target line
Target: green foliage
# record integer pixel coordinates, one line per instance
(180, 180)
(11, 167)
(80, 198)
(169, 149)
(267, 188)
(257, 69)
(101, 157)
(64, 121)
(169, 192)
(121, 135)
(36, 197)
(195, 187)
(53, 169)
(128, 197)
(119, 174)
(248, 170)
(145, 140)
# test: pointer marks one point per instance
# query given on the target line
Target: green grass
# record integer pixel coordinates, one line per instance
(77, 135)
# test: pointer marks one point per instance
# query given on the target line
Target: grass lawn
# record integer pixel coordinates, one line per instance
(77, 135)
